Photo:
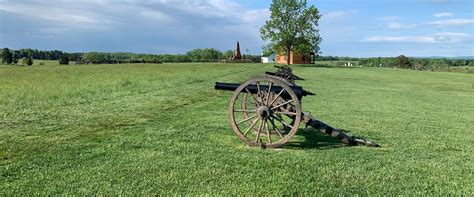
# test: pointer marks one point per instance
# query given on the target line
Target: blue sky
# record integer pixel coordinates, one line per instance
(363, 28)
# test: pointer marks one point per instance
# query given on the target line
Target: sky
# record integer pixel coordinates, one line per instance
(362, 28)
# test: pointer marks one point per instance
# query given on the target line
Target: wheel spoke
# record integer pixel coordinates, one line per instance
(249, 103)
(244, 110)
(247, 119)
(268, 132)
(251, 126)
(253, 96)
(276, 97)
(282, 122)
(258, 88)
(268, 92)
(285, 112)
(282, 104)
(276, 128)
(258, 132)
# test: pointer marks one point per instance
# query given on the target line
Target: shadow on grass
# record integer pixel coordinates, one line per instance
(313, 139)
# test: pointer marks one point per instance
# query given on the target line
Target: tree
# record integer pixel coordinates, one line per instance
(292, 27)
(64, 60)
(212, 55)
(228, 54)
(29, 61)
(94, 58)
(267, 50)
(204, 55)
(7, 56)
(403, 62)
(22, 61)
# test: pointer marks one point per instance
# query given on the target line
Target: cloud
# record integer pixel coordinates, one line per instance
(338, 14)
(221, 8)
(395, 25)
(442, 14)
(53, 18)
(452, 22)
(451, 37)
(416, 39)
(444, 37)
(176, 26)
(257, 17)
(156, 16)
(154, 26)
(49, 13)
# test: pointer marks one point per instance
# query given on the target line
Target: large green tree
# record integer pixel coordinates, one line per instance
(64, 59)
(7, 56)
(29, 61)
(403, 62)
(94, 58)
(293, 26)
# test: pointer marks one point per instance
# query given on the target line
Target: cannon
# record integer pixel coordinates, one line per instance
(254, 89)
(266, 111)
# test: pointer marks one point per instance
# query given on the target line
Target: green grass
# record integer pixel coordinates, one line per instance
(146, 129)
(335, 63)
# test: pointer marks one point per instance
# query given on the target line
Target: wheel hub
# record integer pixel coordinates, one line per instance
(264, 112)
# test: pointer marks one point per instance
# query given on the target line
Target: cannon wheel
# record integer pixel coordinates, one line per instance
(248, 101)
(265, 116)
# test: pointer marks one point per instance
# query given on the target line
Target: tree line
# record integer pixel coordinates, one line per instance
(416, 63)
(431, 64)
(26, 56)
(195, 55)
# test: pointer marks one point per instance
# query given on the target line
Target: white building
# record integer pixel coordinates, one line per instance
(269, 59)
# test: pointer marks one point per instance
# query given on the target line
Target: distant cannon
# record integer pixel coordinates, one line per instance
(266, 111)
(286, 73)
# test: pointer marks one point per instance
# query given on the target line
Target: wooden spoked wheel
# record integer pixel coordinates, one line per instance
(245, 103)
(264, 112)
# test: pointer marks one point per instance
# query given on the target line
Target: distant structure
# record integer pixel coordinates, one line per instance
(269, 59)
(237, 55)
(298, 58)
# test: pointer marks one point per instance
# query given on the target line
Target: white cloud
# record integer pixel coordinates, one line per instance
(442, 14)
(452, 37)
(220, 8)
(444, 37)
(452, 22)
(156, 16)
(395, 25)
(257, 17)
(338, 14)
(50, 13)
(223, 5)
(416, 39)
(156, 25)
(52, 30)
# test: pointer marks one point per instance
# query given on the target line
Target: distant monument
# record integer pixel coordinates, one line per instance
(237, 55)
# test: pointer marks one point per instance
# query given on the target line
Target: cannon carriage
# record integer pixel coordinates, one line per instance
(266, 111)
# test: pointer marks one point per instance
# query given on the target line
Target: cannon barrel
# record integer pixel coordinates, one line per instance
(275, 74)
(299, 91)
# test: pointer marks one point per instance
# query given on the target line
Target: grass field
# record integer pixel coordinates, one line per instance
(337, 63)
(145, 128)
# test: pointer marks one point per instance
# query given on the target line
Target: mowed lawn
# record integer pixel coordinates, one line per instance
(147, 129)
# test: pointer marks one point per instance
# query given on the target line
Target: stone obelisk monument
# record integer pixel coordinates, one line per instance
(237, 54)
